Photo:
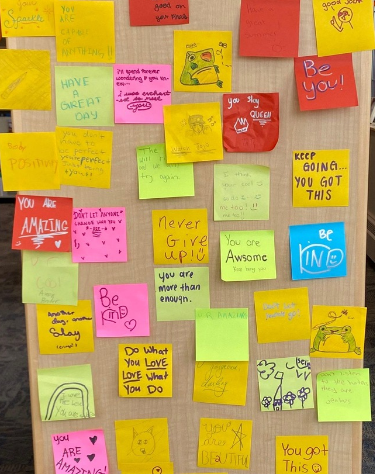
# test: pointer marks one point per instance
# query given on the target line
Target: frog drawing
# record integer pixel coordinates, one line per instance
(200, 68)
(345, 332)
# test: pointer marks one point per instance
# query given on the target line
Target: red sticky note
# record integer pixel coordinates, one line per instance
(269, 29)
(150, 12)
(251, 122)
(42, 223)
(326, 82)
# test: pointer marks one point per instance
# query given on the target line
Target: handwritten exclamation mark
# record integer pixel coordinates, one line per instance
(342, 80)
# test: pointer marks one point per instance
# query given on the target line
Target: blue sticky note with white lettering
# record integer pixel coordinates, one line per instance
(317, 250)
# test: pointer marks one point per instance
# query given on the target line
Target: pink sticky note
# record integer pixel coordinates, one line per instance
(99, 234)
(80, 451)
(141, 91)
(121, 310)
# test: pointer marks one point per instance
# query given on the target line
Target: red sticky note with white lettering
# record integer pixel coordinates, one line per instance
(157, 13)
(325, 82)
(42, 223)
(250, 122)
(269, 29)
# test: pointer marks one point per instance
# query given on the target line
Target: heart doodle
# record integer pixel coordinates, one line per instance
(83, 233)
(118, 240)
(106, 255)
(157, 469)
(130, 324)
(58, 243)
(119, 221)
(91, 456)
(83, 258)
(113, 228)
(119, 251)
(77, 459)
(103, 242)
(88, 245)
(93, 439)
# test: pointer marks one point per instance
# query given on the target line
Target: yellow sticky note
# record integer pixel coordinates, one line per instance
(141, 441)
(85, 31)
(145, 370)
(343, 27)
(85, 157)
(224, 444)
(193, 132)
(148, 468)
(282, 315)
(320, 178)
(305, 453)
(27, 18)
(29, 161)
(65, 329)
(223, 383)
(180, 236)
(338, 331)
(202, 61)
(25, 79)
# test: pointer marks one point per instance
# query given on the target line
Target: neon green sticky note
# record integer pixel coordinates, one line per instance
(344, 395)
(241, 192)
(247, 255)
(158, 179)
(66, 393)
(222, 334)
(49, 278)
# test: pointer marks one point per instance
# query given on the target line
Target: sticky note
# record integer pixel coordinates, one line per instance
(241, 192)
(24, 18)
(64, 329)
(66, 393)
(84, 95)
(344, 395)
(145, 370)
(148, 468)
(325, 83)
(247, 255)
(224, 441)
(338, 331)
(179, 291)
(343, 28)
(49, 278)
(99, 234)
(320, 178)
(25, 165)
(141, 441)
(193, 132)
(222, 383)
(121, 310)
(141, 91)
(285, 383)
(318, 250)
(250, 122)
(85, 157)
(202, 61)
(25, 79)
(222, 334)
(180, 236)
(282, 315)
(309, 453)
(85, 32)
(269, 30)
(144, 13)
(42, 223)
(158, 179)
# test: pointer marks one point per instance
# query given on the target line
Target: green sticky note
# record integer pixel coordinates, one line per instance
(66, 393)
(247, 255)
(241, 192)
(222, 334)
(157, 179)
(179, 291)
(285, 384)
(344, 395)
(84, 97)
(49, 278)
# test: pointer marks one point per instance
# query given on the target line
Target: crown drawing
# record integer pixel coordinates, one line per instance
(241, 125)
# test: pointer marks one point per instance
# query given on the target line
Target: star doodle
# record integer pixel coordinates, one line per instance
(238, 437)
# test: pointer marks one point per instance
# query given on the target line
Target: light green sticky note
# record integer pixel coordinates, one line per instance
(241, 192)
(285, 384)
(84, 97)
(247, 255)
(66, 393)
(344, 395)
(157, 179)
(222, 334)
(49, 278)
(179, 291)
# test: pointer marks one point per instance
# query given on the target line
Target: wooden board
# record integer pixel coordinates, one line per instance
(341, 128)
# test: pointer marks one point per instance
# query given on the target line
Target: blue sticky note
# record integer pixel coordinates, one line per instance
(317, 250)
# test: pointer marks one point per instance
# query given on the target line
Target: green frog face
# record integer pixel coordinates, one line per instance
(200, 68)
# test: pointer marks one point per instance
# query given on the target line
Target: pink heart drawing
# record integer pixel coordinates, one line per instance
(130, 324)
(113, 228)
